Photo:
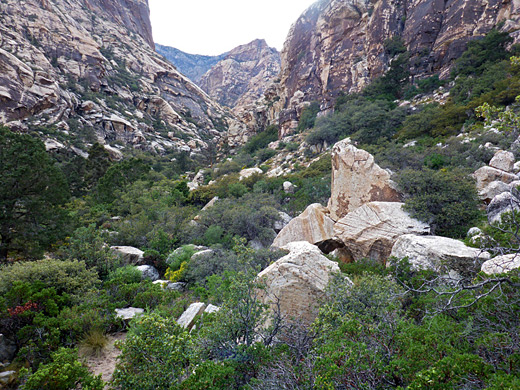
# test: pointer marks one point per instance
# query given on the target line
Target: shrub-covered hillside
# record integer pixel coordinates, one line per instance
(82, 237)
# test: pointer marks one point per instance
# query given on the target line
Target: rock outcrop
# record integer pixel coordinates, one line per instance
(128, 313)
(313, 225)
(188, 318)
(339, 45)
(372, 230)
(89, 70)
(501, 264)
(298, 281)
(440, 254)
(496, 178)
(502, 203)
(148, 272)
(128, 254)
(356, 180)
(243, 75)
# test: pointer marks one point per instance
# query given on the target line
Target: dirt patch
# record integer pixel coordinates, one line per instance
(105, 363)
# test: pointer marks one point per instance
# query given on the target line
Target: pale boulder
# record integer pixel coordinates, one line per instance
(282, 222)
(503, 160)
(298, 280)
(128, 313)
(371, 230)
(188, 318)
(501, 264)
(356, 180)
(486, 175)
(313, 225)
(438, 253)
(493, 189)
(245, 173)
(129, 254)
(502, 203)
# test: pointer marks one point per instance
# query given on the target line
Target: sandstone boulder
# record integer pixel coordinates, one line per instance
(188, 318)
(298, 281)
(313, 226)
(437, 253)
(356, 180)
(503, 160)
(148, 272)
(371, 230)
(245, 173)
(486, 175)
(282, 222)
(493, 189)
(288, 187)
(211, 309)
(129, 254)
(501, 264)
(502, 203)
(128, 313)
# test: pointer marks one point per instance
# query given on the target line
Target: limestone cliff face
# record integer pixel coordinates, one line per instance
(338, 45)
(87, 68)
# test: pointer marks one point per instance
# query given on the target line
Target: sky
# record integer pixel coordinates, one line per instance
(214, 27)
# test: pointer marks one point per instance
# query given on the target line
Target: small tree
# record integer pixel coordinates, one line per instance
(32, 189)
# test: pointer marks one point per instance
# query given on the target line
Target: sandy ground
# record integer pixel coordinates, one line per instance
(105, 363)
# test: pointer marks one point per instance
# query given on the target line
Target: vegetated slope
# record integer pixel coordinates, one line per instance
(342, 45)
(193, 66)
(84, 71)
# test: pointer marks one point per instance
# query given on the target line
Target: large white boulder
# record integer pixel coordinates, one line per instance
(313, 225)
(493, 189)
(501, 264)
(437, 253)
(129, 254)
(503, 160)
(245, 173)
(298, 280)
(371, 230)
(356, 180)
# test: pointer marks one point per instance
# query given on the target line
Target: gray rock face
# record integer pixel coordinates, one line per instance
(7, 378)
(188, 318)
(282, 222)
(502, 203)
(338, 45)
(371, 230)
(313, 225)
(128, 313)
(7, 349)
(503, 160)
(439, 254)
(148, 272)
(298, 280)
(356, 180)
(501, 264)
(62, 61)
(493, 189)
(129, 254)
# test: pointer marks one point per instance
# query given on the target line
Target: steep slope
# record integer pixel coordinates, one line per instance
(339, 45)
(79, 71)
(193, 66)
(243, 75)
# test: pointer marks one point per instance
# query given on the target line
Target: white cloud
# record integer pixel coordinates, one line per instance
(216, 26)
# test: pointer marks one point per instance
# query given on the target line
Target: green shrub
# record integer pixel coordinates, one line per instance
(65, 372)
(308, 116)
(262, 139)
(154, 355)
(71, 277)
(447, 200)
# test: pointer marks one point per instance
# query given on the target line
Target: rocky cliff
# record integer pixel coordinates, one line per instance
(243, 75)
(80, 71)
(339, 45)
(194, 66)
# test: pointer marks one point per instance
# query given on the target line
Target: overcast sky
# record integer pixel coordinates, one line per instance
(215, 26)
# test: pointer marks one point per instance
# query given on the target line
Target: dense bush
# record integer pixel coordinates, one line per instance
(447, 200)
(308, 116)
